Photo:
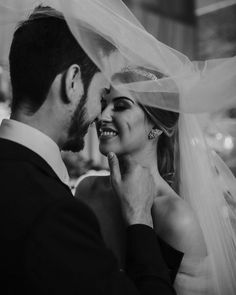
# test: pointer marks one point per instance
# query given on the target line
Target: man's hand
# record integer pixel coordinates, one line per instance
(135, 188)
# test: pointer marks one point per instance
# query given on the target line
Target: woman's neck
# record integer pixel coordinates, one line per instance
(146, 158)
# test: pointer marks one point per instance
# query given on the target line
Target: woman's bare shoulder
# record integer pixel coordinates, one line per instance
(177, 224)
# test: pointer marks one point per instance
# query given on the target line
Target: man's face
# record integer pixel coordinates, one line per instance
(86, 112)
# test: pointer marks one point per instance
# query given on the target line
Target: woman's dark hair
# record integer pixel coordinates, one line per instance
(163, 119)
(166, 147)
(43, 47)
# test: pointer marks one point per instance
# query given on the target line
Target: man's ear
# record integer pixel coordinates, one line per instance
(73, 84)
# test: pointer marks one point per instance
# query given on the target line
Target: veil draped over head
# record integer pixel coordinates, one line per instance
(116, 42)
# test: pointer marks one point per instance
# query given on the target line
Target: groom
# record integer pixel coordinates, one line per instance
(51, 243)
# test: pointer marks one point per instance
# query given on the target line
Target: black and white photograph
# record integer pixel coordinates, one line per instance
(118, 147)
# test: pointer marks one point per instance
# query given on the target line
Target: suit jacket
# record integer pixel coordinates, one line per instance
(51, 242)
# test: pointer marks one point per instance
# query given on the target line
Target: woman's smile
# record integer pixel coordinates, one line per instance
(106, 133)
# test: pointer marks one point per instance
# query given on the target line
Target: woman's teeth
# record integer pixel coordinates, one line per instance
(108, 133)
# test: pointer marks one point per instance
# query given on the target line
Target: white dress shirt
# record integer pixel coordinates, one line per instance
(36, 141)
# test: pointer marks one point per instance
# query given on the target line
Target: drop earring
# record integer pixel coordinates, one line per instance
(154, 133)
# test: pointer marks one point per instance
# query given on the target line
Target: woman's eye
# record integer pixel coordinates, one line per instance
(121, 105)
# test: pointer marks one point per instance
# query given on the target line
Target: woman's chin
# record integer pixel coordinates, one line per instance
(106, 149)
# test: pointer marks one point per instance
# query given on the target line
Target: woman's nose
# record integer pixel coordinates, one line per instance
(106, 114)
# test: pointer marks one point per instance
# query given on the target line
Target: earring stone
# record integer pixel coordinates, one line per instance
(154, 133)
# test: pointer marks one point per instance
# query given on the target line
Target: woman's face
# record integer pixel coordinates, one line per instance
(122, 127)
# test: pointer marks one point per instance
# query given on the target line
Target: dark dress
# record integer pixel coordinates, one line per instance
(106, 207)
(172, 258)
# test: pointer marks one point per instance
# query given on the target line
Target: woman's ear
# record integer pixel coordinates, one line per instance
(74, 88)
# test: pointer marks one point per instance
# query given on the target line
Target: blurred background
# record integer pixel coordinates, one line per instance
(201, 29)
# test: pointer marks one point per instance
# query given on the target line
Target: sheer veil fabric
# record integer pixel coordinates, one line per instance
(115, 40)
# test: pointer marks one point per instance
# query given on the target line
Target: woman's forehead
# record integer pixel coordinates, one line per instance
(113, 92)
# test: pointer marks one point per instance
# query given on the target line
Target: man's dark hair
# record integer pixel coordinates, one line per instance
(43, 47)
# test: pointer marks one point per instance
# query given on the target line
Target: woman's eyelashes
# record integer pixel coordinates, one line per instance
(119, 103)
(122, 103)
(120, 106)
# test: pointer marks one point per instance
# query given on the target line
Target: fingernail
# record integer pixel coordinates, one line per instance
(110, 155)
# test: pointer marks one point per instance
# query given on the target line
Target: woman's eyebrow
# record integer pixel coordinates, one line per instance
(123, 97)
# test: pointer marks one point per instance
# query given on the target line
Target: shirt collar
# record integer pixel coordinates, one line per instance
(36, 141)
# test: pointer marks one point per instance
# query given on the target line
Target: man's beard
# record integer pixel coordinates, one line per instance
(78, 128)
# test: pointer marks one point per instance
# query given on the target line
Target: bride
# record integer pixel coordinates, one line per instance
(155, 112)
(147, 135)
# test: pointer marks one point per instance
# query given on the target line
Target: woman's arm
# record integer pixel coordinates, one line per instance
(176, 223)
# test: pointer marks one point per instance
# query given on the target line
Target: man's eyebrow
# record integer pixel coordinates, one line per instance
(104, 92)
